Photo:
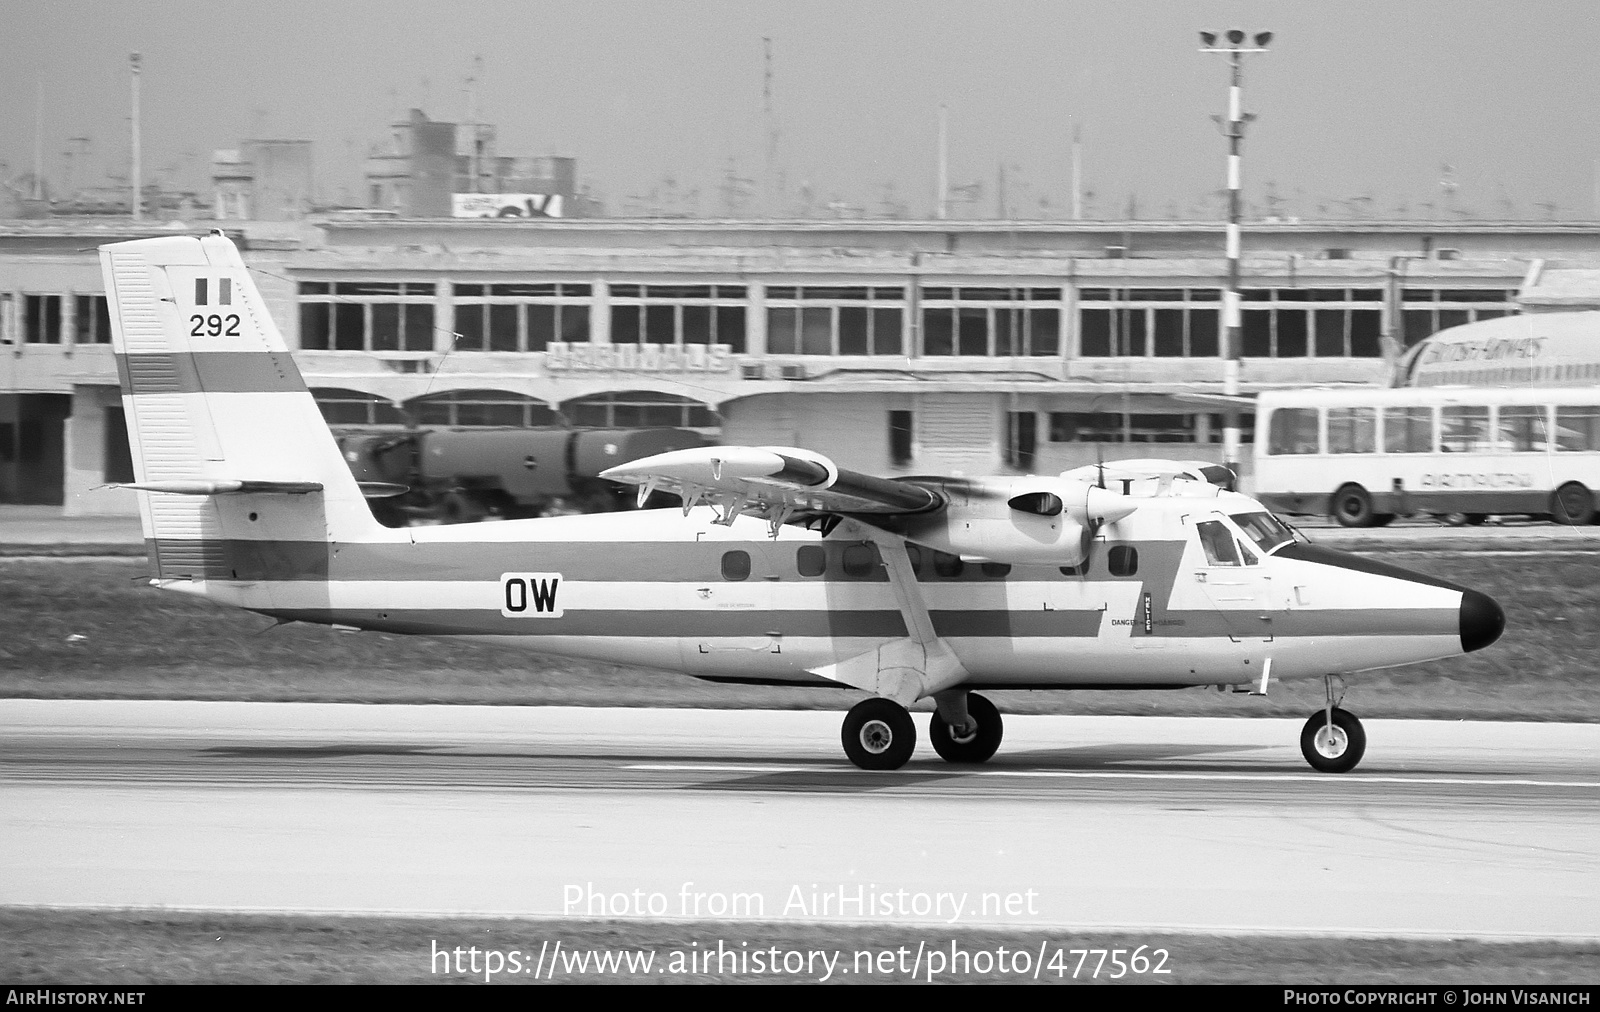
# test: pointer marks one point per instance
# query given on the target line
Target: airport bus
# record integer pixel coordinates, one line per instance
(1365, 456)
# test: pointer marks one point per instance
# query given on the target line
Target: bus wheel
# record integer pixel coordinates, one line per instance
(1352, 506)
(1477, 519)
(1572, 504)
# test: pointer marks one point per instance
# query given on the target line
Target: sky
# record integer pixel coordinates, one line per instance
(1361, 105)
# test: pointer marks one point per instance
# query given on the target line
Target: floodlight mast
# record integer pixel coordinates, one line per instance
(1234, 49)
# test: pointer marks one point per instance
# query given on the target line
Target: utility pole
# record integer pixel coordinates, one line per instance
(1231, 321)
(138, 198)
(38, 141)
(1077, 173)
(773, 195)
(942, 204)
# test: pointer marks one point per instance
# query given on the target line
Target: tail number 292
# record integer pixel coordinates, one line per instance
(530, 595)
(215, 325)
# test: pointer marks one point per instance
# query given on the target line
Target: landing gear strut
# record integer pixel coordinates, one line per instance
(1333, 740)
(878, 734)
(970, 740)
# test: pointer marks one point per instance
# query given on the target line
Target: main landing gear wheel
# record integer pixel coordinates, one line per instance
(977, 745)
(1336, 747)
(878, 734)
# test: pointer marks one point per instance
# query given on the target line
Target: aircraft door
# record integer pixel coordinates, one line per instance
(735, 609)
(1235, 581)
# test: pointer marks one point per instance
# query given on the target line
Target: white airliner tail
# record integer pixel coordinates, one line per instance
(228, 445)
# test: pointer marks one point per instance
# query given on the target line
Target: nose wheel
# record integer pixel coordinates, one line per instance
(1333, 740)
(878, 734)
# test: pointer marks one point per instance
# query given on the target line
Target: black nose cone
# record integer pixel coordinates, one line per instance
(1482, 621)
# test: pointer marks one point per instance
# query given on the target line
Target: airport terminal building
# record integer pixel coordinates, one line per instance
(896, 347)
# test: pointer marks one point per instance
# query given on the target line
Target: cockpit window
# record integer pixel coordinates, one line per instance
(1217, 540)
(1266, 530)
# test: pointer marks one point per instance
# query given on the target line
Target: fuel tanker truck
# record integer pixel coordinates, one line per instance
(461, 475)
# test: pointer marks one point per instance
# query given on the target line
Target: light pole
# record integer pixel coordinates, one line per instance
(1233, 45)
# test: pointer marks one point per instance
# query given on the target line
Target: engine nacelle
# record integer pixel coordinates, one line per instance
(1026, 521)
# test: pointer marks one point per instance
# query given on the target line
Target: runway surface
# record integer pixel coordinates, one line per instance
(1447, 829)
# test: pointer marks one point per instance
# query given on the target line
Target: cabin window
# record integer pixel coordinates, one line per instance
(735, 566)
(947, 565)
(1578, 427)
(812, 560)
(1123, 560)
(996, 569)
(860, 560)
(1408, 430)
(1292, 430)
(914, 554)
(1221, 550)
(1352, 430)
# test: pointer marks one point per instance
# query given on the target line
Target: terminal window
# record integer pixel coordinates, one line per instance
(677, 315)
(41, 319)
(633, 409)
(1115, 427)
(1186, 323)
(824, 320)
(367, 316)
(991, 322)
(481, 409)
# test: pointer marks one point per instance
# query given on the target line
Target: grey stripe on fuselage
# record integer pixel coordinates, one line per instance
(594, 562)
(774, 565)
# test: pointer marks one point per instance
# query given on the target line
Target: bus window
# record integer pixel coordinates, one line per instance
(1408, 430)
(1578, 427)
(1215, 538)
(1464, 428)
(1352, 430)
(1292, 430)
(1523, 428)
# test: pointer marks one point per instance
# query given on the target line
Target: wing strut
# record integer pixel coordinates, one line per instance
(915, 666)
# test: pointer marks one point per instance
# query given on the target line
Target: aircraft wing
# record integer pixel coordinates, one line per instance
(779, 484)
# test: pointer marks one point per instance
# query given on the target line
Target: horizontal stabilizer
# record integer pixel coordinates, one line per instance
(235, 487)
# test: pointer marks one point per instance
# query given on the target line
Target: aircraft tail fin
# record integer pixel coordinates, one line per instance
(228, 444)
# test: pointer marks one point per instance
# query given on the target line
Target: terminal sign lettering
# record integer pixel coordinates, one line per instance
(562, 356)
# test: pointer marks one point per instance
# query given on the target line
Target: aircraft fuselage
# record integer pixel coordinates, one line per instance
(664, 591)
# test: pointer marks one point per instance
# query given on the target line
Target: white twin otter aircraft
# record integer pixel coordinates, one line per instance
(780, 569)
